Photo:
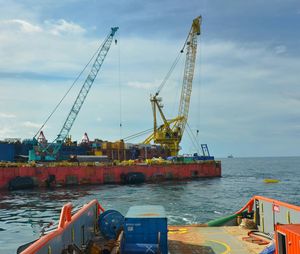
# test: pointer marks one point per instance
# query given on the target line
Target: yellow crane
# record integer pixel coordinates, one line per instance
(170, 133)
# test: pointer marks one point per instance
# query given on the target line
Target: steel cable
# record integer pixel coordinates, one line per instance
(61, 100)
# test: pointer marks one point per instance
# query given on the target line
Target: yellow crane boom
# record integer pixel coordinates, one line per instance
(170, 133)
(189, 72)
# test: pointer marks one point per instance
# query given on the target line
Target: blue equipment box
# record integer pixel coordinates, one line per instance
(145, 230)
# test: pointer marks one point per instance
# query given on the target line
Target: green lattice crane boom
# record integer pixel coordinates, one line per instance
(50, 151)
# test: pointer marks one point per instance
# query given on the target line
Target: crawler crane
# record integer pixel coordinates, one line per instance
(170, 133)
(50, 151)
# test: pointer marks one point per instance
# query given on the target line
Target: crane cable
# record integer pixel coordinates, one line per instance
(138, 134)
(168, 74)
(173, 66)
(194, 145)
(61, 100)
(199, 95)
(193, 138)
(120, 87)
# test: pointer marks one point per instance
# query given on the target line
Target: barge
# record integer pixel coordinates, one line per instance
(14, 176)
(163, 142)
(263, 226)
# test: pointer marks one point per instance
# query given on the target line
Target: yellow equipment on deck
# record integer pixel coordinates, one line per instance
(170, 133)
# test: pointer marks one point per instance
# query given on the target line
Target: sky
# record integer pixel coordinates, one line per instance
(246, 94)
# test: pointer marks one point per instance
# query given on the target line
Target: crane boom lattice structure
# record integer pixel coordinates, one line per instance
(50, 152)
(170, 133)
(188, 73)
(85, 88)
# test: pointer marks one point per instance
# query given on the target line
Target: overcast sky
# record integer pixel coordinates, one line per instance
(246, 93)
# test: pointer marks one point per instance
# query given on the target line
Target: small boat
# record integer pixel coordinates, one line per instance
(230, 156)
(262, 225)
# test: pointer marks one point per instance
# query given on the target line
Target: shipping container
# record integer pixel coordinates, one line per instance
(7, 152)
(288, 239)
(145, 228)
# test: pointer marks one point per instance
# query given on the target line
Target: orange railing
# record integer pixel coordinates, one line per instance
(249, 204)
(65, 220)
(278, 203)
(65, 215)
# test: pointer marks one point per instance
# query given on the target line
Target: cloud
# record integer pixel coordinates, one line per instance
(280, 49)
(20, 26)
(48, 48)
(246, 95)
(6, 115)
(5, 132)
(61, 26)
(30, 124)
(54, 27)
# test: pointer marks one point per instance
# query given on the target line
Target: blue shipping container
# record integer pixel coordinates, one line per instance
(145, 230)
(7, 152)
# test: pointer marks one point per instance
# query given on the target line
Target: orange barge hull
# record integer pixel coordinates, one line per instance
(80, 175)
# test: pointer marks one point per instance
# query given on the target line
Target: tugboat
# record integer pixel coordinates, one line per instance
(263, 226)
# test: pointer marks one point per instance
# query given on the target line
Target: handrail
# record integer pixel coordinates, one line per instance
(100, 208)
(279, 203)
(65, 220)
(65, 215)
(249, 204)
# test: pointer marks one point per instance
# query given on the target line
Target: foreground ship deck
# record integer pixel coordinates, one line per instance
(202, 240)
(144, 230)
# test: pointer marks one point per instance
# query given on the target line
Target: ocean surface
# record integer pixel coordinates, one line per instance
(24, 213)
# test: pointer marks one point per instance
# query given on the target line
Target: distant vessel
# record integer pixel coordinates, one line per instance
(230, 156)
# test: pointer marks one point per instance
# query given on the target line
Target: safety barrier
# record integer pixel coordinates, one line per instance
(270, 212)
(84, 221)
